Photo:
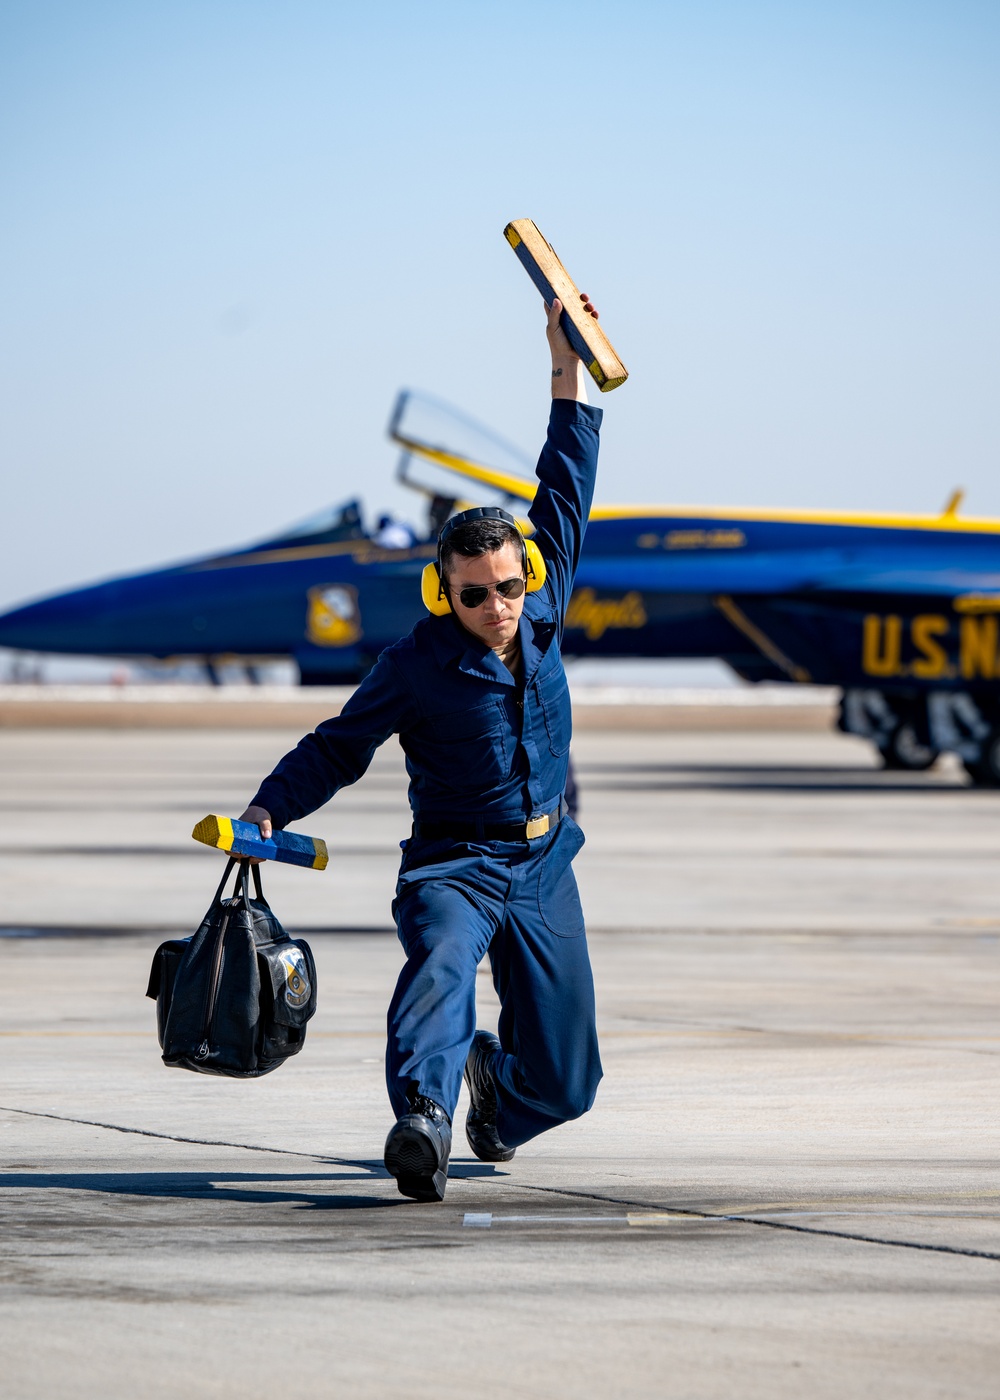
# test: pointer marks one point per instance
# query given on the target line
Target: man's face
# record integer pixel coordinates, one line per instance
(495, 621)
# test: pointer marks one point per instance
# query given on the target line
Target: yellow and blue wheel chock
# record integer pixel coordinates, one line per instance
(241, 839)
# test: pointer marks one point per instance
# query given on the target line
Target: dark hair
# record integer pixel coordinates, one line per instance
(477, 538)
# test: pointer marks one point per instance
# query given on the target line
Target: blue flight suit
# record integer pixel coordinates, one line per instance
(481, 750)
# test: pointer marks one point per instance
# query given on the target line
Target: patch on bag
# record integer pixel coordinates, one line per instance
(297, 987)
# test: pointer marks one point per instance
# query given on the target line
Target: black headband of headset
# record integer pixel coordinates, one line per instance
(468, 517)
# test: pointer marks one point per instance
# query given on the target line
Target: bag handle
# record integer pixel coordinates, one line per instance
(241, 885)
(225, 876)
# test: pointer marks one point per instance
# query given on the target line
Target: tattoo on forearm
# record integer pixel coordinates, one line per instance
(556, 373)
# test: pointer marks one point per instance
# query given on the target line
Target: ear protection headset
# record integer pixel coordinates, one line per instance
(432, 588)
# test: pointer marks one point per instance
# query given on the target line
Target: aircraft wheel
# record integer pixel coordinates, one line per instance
(985, 770)
(904, 751)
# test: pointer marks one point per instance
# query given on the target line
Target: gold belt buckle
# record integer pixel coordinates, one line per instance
(538, 826)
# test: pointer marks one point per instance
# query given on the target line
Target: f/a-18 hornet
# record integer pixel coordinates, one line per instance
(900, 611)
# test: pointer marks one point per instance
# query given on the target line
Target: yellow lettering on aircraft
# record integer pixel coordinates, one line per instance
(595, 616)
(882, 645)
(924, 646)
(977, 603)
(693, 539)
(705, 539)
(933, 659)
(977, 646)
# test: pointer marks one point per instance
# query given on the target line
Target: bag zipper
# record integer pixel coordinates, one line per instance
(203, 1049)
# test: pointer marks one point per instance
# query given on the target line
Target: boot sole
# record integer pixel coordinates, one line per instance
(412, 1159)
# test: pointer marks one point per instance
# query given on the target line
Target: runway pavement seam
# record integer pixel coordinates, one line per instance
(766, 1224)
(170, 1137)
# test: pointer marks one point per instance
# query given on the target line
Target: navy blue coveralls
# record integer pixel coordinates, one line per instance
(481, 749)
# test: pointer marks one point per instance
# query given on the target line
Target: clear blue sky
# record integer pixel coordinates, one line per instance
(232, 229)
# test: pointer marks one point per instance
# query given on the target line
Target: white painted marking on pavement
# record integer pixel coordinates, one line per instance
(485, 1221)
(660, 1217)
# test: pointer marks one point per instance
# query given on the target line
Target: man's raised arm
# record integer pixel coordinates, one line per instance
(567, 467)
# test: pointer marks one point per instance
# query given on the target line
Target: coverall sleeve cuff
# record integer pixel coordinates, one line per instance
(279, 817)
(568, 413)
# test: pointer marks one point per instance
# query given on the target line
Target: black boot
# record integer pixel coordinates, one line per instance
(481, 1119)
(417, 1150)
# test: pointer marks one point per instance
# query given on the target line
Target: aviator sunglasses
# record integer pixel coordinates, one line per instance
(476, 596)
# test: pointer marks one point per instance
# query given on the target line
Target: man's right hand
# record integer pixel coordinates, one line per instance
(261, 818)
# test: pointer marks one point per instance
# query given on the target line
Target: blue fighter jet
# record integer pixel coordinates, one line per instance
(900, 611)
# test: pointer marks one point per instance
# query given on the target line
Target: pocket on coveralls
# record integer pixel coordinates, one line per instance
(553, 696)
(465, 749)
(558, 896)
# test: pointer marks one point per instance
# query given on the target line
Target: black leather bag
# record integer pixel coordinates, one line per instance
(233, 999)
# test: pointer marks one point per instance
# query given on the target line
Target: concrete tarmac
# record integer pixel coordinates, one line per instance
(788, 1186)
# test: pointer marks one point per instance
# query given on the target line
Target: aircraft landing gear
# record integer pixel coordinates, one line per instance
(911, 731)
(896, 726)
(985, 770)
(904, 752)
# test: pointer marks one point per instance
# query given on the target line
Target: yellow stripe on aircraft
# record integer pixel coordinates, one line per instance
(761, 640)
(508, 482)
(968, 524)
(363, 551)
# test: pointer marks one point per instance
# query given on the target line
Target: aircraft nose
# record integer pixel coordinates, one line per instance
(171, 612)
(48, 625)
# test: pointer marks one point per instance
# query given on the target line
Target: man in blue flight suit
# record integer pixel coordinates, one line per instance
(478, 696)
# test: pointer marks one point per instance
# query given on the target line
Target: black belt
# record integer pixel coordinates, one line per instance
(491, 831)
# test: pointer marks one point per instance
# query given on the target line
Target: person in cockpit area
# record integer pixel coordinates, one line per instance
(478, 696)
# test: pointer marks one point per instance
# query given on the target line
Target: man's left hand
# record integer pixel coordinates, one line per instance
(568, 373)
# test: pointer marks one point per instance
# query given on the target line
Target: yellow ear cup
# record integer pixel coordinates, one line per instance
(536, 566)
(434, 596)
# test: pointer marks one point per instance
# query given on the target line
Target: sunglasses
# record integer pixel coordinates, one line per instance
(476, 596)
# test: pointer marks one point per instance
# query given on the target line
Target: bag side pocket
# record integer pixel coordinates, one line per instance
(288, 998)
(166, 960)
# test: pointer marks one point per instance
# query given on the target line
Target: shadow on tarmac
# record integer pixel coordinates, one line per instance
(232, 1186)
